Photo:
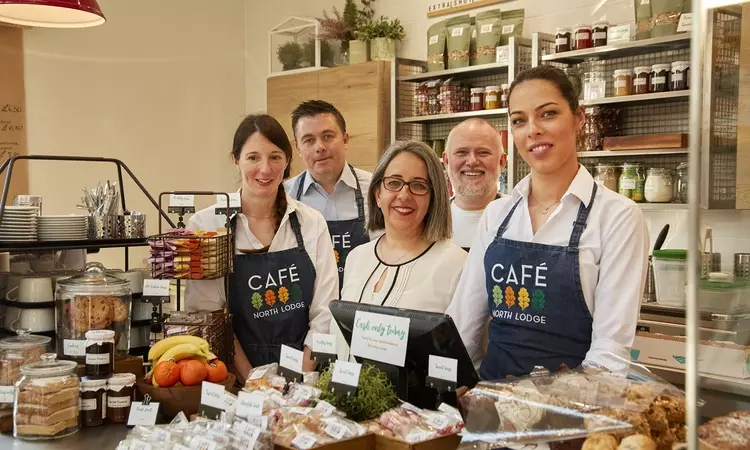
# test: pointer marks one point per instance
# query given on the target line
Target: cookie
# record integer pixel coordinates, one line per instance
(600, 442)
(657, 419)
(120, 308)
(80, 308)
(637, 442)
(101, 312)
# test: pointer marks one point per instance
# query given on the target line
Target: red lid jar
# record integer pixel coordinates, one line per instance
(582, 37)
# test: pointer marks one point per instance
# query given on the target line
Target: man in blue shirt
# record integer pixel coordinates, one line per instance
(330, 184)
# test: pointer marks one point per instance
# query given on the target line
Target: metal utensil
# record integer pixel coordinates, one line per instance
(661, 237)
(649, 291)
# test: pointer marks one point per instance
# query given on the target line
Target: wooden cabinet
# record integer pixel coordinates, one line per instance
(360, 91)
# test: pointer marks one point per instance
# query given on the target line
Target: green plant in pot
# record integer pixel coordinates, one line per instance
(289, 55)
(327, 54)
(386, 32)
(359, 46)
(375, 394)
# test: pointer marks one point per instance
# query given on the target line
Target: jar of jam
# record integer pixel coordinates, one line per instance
(660, 77)
(582, 37)
(504, 95)
(623, 82)
(599, 34)
(120, 395)
(93, 402)
(680, 76)
(642, 80)
(606, 175)
(477, 99)
(492, 97)
(563, 40)
(100, 353)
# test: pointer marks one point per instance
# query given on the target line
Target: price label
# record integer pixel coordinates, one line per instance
(234, 200)
(347, 373)
(229, 401)
(508, 29)
(326, 408)
(686, 23)
(300, 411)
(304, 441)
(502, 55)
(258, 421)
(486, 28)
(156, 288)
(7, 394)
(212, 394)
(141, 414)
(201, 443)
(249, 439)
(458, 31)
(250, 404)
(619, 33)
(417, 436)
(336, 430)
(181, 201)
(443, 368)
(160, 435)
(324, 343)
(434, 39)
(72, 347)
(438, 421)
(291, 359)
(137, 444)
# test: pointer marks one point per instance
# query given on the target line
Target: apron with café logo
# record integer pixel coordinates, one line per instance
(539, 314)
(345, 234)
(269, 297)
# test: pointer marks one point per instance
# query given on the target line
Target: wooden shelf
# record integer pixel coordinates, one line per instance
(663, 206)
(641, 98)
(32, 246)
(463, 72)
(620, 50)
(461, 115)
(620, 153)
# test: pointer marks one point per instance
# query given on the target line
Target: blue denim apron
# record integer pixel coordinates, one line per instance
(539, 314)
(269, 297)
(345, 234)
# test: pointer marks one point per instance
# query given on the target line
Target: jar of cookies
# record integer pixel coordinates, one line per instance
(46, 404)
(94, 300)
(15, 352)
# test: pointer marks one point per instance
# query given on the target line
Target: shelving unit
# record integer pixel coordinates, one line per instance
(407, 74)
(642, 98)
(621, 153)
(621, 49)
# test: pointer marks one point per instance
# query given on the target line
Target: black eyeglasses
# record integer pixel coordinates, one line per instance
(394, 184)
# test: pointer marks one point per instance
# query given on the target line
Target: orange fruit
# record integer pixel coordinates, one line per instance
(193, 373)
(217, 371)
(167, 373)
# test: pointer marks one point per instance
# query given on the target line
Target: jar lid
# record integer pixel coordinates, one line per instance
(492, 88)
(562, 30)
(642, 69)
(605, 166)
(660, 67)
(121, 379)
(100, 335)
(631, 165)
(619, 72)
(49, 366)
(673, 254)
(601, 23)
(88, 383)
(680, 65)
(24, 340)
(504, 86)
(580, 26)
(95, 280)
(477, 90)
(657, 170)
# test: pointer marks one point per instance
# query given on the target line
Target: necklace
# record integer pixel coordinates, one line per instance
(261, 217)
(547, 207)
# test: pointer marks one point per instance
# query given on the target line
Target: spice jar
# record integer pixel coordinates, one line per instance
(658, 188)
(477, 99)
(46, 405)
(642, 80)
(599, 34)
(632, 181)
(680, 76)
(582, 37)
(100, 353)
(681, 183)
(503, 95)
(492, 97)
(562, 40)
(660, 77)
(623, 82)
(606, 175)
(93, 402)
(120, 395)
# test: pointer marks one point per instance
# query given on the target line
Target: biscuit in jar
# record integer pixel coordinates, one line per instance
(120, 308)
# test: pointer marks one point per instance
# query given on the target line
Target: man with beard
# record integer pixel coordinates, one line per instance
(474, 159)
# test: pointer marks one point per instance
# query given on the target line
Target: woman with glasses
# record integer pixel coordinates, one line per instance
(414, 265)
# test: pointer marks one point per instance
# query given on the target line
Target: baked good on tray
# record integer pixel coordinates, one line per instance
(730, 432)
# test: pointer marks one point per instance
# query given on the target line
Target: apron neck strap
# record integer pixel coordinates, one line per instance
(293, 220)
(583, 214)
(358, 197)
(504, 225)
(298, 196)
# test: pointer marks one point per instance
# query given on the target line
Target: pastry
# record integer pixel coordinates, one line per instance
(46, 410)
(637, 442)
(59, 415)
(657, 419)
(600, 442)
(46, 430)
(730, 432)
(673, 407)
(120, 310)
(520, 411)
(617, 422)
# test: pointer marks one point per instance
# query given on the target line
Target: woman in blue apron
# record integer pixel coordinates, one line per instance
(284, 267)
(559, 265)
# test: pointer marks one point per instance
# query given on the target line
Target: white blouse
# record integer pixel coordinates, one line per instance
(425, 283)
(208, 295)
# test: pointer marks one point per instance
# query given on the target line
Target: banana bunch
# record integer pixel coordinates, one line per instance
(176, 348)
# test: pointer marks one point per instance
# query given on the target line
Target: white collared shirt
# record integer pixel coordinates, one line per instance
(613, 260)
(208, 295)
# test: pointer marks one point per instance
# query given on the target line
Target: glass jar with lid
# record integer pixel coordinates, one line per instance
(606, 175)
(632, 182)
(593, 138)
(681, 183)
(477, 99)
(46, 404)
(563, 39)
(94, 300)
(599, 34)
(623, 82)
(15, 352)
(582, 37)
(492, 97)
(658, 187)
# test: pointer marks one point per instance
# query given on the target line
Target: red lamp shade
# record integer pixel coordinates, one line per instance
(52, 13)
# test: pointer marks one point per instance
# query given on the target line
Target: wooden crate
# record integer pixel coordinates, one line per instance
(449, 442)
(366, 442)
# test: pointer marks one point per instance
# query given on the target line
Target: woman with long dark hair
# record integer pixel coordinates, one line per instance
(284, 268)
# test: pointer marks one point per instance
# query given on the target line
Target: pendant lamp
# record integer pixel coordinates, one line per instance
(52, 13)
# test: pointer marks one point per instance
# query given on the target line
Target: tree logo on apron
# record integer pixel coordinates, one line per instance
(275, 293)
(507, 299)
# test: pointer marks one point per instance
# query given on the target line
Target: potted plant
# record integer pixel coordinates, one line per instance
(386, 32)
(290, 55)
(361, 22)
(327, 54)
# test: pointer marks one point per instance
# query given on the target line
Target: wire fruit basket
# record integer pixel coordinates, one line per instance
(215, 327)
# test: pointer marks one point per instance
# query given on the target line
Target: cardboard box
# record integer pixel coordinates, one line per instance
(715, 358)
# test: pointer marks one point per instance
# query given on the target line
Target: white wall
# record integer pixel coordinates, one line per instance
(160, 86)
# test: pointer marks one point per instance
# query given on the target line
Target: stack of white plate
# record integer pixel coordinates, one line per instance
(63, 228)
(19, 224)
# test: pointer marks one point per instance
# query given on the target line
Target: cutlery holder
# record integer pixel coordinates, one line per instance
(103, 227)
(131, 226)
(742, 265)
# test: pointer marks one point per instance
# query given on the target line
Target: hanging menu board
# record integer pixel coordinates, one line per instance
(12, 105)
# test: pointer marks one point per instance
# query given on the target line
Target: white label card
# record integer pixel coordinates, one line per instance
(326, 408)
(380, 337)
(201, 443)
(434, 39)
(229, 401)
(181, 200)
(336, 430)
(645, 2)
(438, 421)
(137, 444)
(7, 394)
(141, 414)
(459, 31)
(291, 359)
(72, 347)
(508, 29)
(304, 441)
(249, 439)
(250, 404)
(234, 200)
(686, 23)
(619, 33)
(156, 288)
(324, 343)
(486, 28)
(258, 421)
(347, 373)
(443, 368)
(212, 394)
(502, 54)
